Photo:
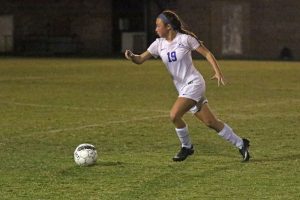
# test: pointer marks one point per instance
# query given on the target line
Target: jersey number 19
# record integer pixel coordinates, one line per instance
(172, 56)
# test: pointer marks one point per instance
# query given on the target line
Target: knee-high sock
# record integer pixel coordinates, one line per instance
(183, 135)
(228, 134)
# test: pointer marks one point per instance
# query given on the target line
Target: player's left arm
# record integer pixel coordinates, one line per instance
(213, 62)
(137, 59)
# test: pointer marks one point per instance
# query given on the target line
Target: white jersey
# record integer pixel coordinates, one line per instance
(178, 59)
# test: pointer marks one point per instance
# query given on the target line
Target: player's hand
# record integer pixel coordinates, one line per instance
(128, 54)
(220, 78)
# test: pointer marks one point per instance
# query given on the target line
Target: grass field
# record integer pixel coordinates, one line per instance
(49, 106)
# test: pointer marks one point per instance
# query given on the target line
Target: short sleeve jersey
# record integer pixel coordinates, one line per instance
(177, 57)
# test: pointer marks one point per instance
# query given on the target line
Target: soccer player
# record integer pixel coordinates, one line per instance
(174, 48)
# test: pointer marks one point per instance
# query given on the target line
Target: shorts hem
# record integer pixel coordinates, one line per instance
(189, 97)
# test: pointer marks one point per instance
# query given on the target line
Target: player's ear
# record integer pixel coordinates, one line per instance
(169, 26)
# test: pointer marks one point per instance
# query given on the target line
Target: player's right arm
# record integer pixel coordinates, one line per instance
(137, 59)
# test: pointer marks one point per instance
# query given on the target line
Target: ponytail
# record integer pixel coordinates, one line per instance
(184, 31)
(177, 24)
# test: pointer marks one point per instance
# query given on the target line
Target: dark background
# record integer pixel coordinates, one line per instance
(242, 29)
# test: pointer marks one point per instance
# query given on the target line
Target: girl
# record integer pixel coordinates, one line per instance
(174, 48)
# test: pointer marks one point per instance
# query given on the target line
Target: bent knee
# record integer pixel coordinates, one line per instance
(174, 116)
(212, 123)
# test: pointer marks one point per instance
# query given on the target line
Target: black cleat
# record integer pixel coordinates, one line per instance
(245, 150)
(183, 154)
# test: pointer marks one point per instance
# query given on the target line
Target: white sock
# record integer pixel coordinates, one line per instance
(228, 134)
(183, 135)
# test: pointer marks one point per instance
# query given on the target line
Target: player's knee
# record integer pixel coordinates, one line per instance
(174, 117)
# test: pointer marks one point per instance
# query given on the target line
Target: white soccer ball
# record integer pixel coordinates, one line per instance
(85, 155)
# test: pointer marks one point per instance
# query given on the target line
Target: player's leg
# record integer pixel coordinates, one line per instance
(180, 107)
(210, 120)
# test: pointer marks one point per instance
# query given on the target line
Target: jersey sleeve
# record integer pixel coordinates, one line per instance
(153, 49)
(193, 43)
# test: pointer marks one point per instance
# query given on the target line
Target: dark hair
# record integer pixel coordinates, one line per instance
(177, 24)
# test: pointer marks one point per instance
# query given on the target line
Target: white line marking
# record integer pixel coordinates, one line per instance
(104, 124)
(36, 134)
(262, 104)
(80, 108)
(23, 78)
(273, 103)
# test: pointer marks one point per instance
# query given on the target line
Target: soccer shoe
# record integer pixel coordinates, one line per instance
(245, 150)
(183, 154)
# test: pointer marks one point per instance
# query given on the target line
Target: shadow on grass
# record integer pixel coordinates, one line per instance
(76, 169)
(105, 164)
(108, 163)
(276, 159)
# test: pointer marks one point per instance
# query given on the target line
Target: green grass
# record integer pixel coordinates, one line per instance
(49, 106)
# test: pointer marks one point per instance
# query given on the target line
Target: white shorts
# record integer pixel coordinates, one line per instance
(196, 92)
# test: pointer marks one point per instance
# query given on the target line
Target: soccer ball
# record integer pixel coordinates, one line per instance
(85, 155)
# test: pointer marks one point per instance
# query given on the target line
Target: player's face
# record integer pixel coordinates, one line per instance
(161, 29)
